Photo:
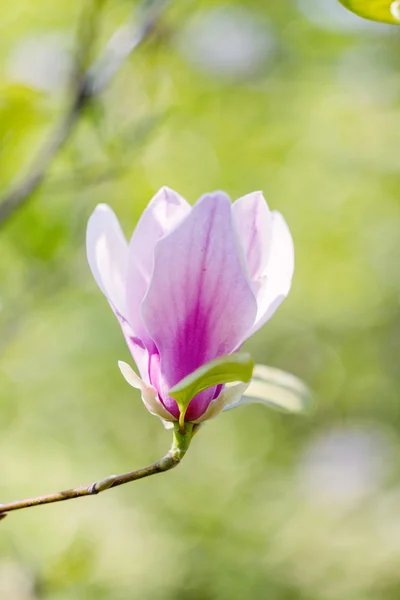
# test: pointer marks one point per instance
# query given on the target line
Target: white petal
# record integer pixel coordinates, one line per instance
(107, 252)
(278, 273)
(230, 394)
(253, 221)
(276, 389)
(149, 393)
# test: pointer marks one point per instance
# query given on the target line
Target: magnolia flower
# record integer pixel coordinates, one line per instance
(191, 286)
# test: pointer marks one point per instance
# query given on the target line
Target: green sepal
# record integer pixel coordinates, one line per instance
(225, 369)
(277, 389)
(385, 11)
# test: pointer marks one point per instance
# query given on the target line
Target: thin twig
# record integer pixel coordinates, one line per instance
(172, 459)
(93, 81)
(166, 463)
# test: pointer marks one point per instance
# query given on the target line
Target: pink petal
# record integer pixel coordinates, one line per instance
(199, 304)
(164, 212)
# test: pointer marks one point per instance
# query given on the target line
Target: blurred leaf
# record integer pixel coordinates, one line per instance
(22, 114)
(277, 389)
(20, 108)
(375, 10)
(226, 369)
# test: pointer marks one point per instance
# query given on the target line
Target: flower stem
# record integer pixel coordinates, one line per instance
(180, 445)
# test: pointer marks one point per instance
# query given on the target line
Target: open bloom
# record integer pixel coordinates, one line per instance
(192, 285)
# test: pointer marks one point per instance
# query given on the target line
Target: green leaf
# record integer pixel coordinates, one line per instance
(385, 11)
(226, 369)
(277, 389)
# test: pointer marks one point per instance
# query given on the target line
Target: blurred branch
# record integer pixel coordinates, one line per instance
(91, 83)
(99, 173)
(180, 444)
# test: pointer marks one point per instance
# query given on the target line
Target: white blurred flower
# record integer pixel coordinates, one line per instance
(41, 62)
(229, 42)
(345, 464)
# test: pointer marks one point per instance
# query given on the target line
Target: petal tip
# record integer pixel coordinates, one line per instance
(101, 210)
(167, 194)
(216, 196)
(103, 206)
(165, 189)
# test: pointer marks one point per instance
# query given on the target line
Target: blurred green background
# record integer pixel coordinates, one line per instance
(300, 99)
